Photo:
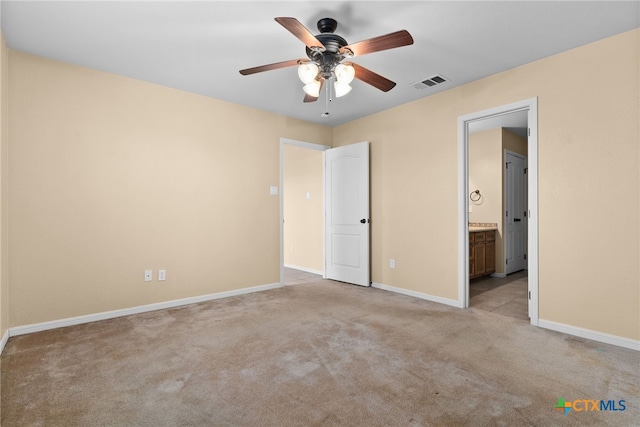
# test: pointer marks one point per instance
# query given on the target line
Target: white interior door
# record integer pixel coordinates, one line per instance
(347, 214)
(515, 216)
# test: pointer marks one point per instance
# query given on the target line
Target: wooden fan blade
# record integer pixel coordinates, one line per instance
(268, 67)
(376, 44)
(300, 31)
(374, 79)
(309, 98)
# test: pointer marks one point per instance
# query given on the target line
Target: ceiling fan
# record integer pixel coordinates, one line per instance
(326, 53)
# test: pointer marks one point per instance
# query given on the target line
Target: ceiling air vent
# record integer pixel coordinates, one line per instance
(430, 82)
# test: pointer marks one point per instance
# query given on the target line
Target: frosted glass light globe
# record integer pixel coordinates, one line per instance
(308, 72)
(341, 89)
(345, 73)
(312, 89)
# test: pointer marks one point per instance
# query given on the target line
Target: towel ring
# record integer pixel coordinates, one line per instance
(475, 196)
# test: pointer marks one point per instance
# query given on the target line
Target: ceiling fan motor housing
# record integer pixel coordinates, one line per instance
(327, 25)
(332, 43)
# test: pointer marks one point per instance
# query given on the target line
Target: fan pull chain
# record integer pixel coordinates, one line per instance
(326, 102)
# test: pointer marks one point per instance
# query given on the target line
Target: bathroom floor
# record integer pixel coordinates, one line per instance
(506, 296)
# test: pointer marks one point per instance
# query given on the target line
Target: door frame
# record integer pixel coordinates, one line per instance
(309, 146)
(531, 106)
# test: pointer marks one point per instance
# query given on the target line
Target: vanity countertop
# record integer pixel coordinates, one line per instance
(482, 226)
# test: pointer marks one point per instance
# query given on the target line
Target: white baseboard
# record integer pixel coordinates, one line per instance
(589, 334)
(558, 327)
(4, 340)
(37, 327)
(305, 269)
(547, 324)
(441, 300)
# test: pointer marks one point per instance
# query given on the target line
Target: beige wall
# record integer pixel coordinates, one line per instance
(514, 142)
(485, 175)
(589, 184)
(110, 176)
(303, 215)
(4, 185)
(4, 253)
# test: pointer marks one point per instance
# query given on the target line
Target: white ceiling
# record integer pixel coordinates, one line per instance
(200, 46)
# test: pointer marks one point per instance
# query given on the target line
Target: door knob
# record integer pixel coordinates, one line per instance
(516, 220)
(362, 221)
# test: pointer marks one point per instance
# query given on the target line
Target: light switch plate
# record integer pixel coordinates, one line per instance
(148, 275)
(162, 275)
(273, 191)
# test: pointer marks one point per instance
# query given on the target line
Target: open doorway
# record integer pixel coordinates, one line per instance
(497, 215)
(301, 183)
(498, 118)
(342, 223)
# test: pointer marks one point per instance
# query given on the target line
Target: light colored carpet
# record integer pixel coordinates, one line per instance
(312, 355)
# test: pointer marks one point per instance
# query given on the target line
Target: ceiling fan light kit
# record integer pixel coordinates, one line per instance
(325, 55)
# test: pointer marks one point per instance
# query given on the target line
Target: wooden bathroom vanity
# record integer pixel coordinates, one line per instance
(482, 249)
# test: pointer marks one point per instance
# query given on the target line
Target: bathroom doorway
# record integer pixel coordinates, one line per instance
(516, 293)
(497, 204)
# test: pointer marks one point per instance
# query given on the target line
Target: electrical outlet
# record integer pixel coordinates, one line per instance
(148, 275)
(392, 263)
(162, 275)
